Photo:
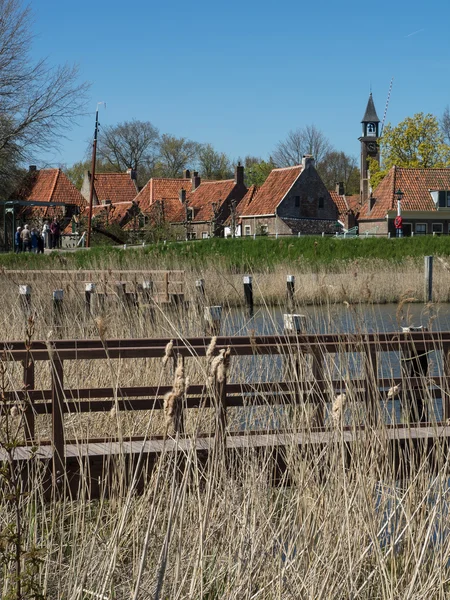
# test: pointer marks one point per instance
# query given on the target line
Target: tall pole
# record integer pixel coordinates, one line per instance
(91, 190)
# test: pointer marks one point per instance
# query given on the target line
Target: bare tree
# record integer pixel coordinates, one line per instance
(307, 140)
(131, 144)
(337, 167)
(176, 154)
(37, 101)
(445, 125)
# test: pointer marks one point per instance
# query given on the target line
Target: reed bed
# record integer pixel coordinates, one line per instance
(336, 523)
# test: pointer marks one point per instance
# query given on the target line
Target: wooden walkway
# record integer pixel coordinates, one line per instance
(369, 388)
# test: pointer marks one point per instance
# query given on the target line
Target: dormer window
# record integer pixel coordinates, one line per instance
(190, 213)
(441, 198)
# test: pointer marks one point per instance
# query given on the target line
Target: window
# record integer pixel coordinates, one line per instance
(190, 213)
(443, 199)
(205, 235)
(437, 228)
(192, 235)
(264, 229)
(421, 229)
(247, 230)
(321, 202)
(297, 201)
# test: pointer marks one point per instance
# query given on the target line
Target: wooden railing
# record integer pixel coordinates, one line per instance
(59, 400)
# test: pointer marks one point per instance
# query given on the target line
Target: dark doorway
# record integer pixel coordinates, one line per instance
(407, 228)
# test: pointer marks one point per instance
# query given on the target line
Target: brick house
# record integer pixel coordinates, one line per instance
(347, 206)
(425, 204)
(292, 200)
(195, 209)
(48, 185)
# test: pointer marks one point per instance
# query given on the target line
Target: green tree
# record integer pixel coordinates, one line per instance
(416, 142)
(213, 164)
(257, 170)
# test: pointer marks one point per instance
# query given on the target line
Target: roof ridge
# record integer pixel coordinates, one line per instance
(287, 168)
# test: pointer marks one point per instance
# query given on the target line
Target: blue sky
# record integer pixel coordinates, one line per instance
(240, 75)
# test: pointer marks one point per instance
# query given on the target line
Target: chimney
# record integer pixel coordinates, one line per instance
(132, 173)
(307, 161)
(239, 174)
(340, 188)
(32, 168)
(186, 174)
(182, 195)
(195, 180)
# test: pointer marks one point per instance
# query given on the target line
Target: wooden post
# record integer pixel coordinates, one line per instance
(212, 316)
(445, 386)
(221, 415)
(200, 289)
(58, 298)
(166, 286)
(89, 291)
(372, 387)
(57, 417)
(147, 290)
(248, 293)
(25, 300)
(294, 324)
(290, 290)
(318, 376)
(428, 278)
(28, 386)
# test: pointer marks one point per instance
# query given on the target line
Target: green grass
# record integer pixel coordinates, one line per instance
(236, 255)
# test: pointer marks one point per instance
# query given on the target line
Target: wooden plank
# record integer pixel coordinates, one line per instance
(57, 375)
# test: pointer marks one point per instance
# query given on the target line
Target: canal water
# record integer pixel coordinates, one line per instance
(345, 366)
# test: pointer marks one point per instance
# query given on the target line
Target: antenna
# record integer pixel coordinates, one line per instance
(386, 107)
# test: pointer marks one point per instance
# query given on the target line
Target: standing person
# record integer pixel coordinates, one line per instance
(56, 232)
(34, 240)
(25, 236)
(40, 242)
(46, 234)
(17, 241)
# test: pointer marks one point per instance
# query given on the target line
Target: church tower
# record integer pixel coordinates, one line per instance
(369, 145)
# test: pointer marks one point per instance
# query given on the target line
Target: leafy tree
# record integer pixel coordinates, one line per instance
(37, 101)
(307, 140)
(213, 164)
(175, 155)
(445, 125)
(129, 145)
(257, 170)
(416, 142)
(338, 166)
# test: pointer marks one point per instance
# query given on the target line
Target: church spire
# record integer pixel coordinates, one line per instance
(370, 116)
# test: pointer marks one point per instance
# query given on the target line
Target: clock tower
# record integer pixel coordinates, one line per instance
(369, 146)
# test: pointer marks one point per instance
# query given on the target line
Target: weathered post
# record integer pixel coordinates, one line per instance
(57, 419)
(212, 316)
(428, 278)
(290, 290)
(294, 325)
(248, 293)
(200, 289)
(147, 290)
(58, 298)
(25, 300)
(89, 291)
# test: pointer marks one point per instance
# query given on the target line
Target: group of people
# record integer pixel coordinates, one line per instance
(35, 240)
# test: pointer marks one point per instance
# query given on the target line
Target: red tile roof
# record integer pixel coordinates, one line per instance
(117, 187)
(272, 192)
(345, 203)
(48, 185)
(207, 193)
(162, 189)
(415, 185)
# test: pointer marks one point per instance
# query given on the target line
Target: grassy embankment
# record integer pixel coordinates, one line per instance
(326, 269)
